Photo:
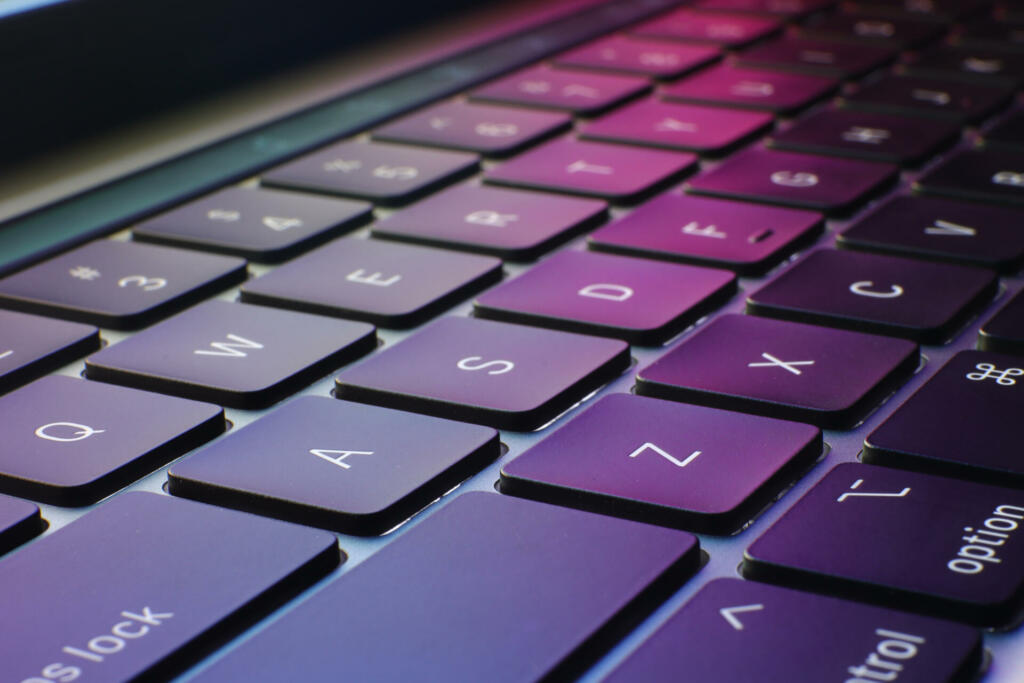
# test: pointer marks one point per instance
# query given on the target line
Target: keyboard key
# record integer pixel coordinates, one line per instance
(613, 172)
(31, 346)
(941, 230)
(481, 128)
(919, 300)
(962, 562)
(512, 225)
(919, 96)
(259, 224)
(566, 89)
(154, 584)
(665, 463)
(734, 630)
(717, 28)
(497, 374)
(746, 238)
(988, 175)
(984, 66)
(387, 174)
(352, 468)
(933, 10)
(232, 354)
(791, 371)
(990, 33)
(612, 296)
(707, 130)
(1007, 134)
(121, 285)
(799, 180)
(652, 58)
(775, 91)
(903, 33)
(959, 423)
(869, 136)
(1004, 332)
(70, 442)
(786, 8)
(387, 284)
(19, 521)
(821, 57)
(488, 584)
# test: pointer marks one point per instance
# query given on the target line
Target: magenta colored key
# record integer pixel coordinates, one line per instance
(613, 296)
(747, 238)
(568, 89)
(678, 126)
(498, 374)
(481, 128)
(734, 630)
(822, 57)
(31, 345)
(507, 223)
(719, 28)
(788, 8)
(800, 180)
(613, 172)
(831, 378)
(902, 539)
(19, 521)
(875, 293)
(71, 442)
(641, 56)
(387, 284)
(666, 463)
(389, 174)
(733, 86)
(352, 468)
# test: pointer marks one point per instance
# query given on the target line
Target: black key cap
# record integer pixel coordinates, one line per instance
(985, 66)
(791, 371)
(233, 354)
(941, 230)
(122, 285)
(484, 561)
(902, 33)
(155, 583)
(731, 86)
(959, 423)
(786, 8)
(259, 224)
(388, 174)
(19, 521)
(1007, 134)
(799, 180)
(824, 58)
(933, 10)
(71, 442)
(745, 631)
(903, 539)
(919, 96)
(31, 346)
(865, 135)
(989, 33)
(352, 468)
(889, 295)
(498, 374)
(1004, 332)
(384, 283)
(991, 175)
(667, 463)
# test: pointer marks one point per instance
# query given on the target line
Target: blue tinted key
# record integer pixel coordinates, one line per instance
(780, 369)
(155, 582)
(353, 468)
(907, 540)
(31, 346)
(122, 285)
(744, 631)
(71, 442)
(233, 354)
(19, 521)
(490, 589)
(665, 463)
(901, 297)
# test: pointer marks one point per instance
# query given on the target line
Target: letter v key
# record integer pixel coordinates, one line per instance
(678, 463)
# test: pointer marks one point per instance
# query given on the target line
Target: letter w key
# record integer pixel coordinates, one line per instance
(668, 456)
(230, 348)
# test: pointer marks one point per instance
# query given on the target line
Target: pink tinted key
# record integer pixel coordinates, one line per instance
(570, 90)
(640, 56)
(720, 28)
(613, 172)
(732, 86)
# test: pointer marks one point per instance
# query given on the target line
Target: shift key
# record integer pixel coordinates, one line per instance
(154, 581)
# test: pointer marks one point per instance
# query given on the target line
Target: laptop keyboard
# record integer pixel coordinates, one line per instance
(652, 360)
